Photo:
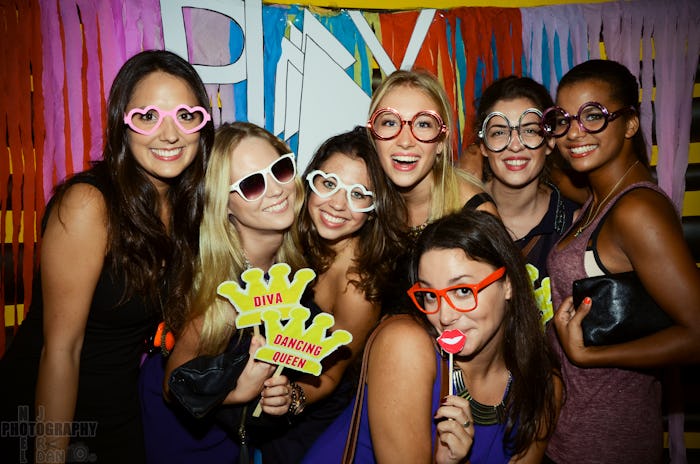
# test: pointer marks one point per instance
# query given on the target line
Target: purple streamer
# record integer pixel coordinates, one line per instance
(74, 79)
(92, 84)
(52, 81)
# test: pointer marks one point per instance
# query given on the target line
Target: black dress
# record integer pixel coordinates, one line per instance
(107, 424)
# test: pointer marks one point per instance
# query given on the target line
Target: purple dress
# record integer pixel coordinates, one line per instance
(171, 435)
(330, 445)
(609, 414)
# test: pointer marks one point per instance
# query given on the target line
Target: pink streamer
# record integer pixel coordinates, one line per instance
(94, 97)
(74, 79)
(52, 83)
(202, 25)
(111, 43)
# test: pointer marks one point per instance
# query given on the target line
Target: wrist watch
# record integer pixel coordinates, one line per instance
(298, 399)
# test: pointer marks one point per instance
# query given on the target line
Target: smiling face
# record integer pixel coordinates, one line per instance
(332, 216)
(168, 151)
(587, 151)
(517, 165)
(407, 161)
(273, 212)
(483, 327)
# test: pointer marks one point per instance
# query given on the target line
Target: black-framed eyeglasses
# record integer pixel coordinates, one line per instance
(496, 130)
(325, 185)
(254, 185)
(426, 126)
(462, 297)
(592, 117)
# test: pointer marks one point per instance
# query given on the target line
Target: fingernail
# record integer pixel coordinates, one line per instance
(587, 300)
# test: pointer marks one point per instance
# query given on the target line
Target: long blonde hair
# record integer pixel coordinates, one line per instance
(446, 197)
(221, 255)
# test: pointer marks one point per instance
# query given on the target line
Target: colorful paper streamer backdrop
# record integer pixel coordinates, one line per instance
(71, 50)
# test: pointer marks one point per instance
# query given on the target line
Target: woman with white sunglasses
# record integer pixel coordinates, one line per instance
(252, 199)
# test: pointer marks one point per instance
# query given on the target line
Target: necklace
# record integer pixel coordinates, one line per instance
(482, 414)
(246, 262)
(592, 214)
(415, 231)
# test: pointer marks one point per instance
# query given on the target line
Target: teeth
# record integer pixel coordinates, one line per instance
(278, 207)
(330, 218)
(583, 149)
(405, 159)
(515, 162)
(165, 153)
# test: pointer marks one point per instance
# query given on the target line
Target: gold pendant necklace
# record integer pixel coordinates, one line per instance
(591, 214)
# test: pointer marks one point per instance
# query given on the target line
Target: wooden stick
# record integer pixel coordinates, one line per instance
(451, 368)
(258, 408)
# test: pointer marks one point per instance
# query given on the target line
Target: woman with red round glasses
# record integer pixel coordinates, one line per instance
(411, 125)
(253, 196)
(613, 407)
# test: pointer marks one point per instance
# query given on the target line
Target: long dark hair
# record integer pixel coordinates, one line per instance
(623, 88)
(381, 236)
(138, 243)
(531, 405)
(510, 88)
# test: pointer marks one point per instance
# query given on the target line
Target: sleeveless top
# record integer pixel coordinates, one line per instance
(107, 413)
(557, 219)
(610, 415)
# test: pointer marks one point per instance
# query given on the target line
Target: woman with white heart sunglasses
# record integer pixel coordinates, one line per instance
(347, 203)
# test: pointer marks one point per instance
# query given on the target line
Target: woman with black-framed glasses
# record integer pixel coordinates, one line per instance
(613, 407)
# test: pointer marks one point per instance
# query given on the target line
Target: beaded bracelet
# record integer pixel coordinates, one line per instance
(298, 399)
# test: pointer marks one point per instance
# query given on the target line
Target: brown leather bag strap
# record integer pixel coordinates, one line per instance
(444, 373)
(354, 431)
(530, 245)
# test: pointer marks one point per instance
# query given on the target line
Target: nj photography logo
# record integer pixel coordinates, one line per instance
(25, 430)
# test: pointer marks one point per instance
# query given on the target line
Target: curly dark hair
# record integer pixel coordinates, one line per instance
(531, 405)
(155, 263)
(382, 235)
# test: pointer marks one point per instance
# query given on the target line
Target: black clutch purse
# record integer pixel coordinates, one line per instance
(621, 311)
(201, 384)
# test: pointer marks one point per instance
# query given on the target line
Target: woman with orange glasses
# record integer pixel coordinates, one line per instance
(471, 288)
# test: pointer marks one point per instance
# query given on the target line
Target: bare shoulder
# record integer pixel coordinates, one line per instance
(81, 201)
(648, 207)
(402, 338)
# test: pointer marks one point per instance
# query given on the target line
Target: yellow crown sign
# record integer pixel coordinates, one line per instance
(260, 295)
(298, 348)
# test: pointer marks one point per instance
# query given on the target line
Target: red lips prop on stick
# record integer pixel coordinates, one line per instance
(452, 341)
